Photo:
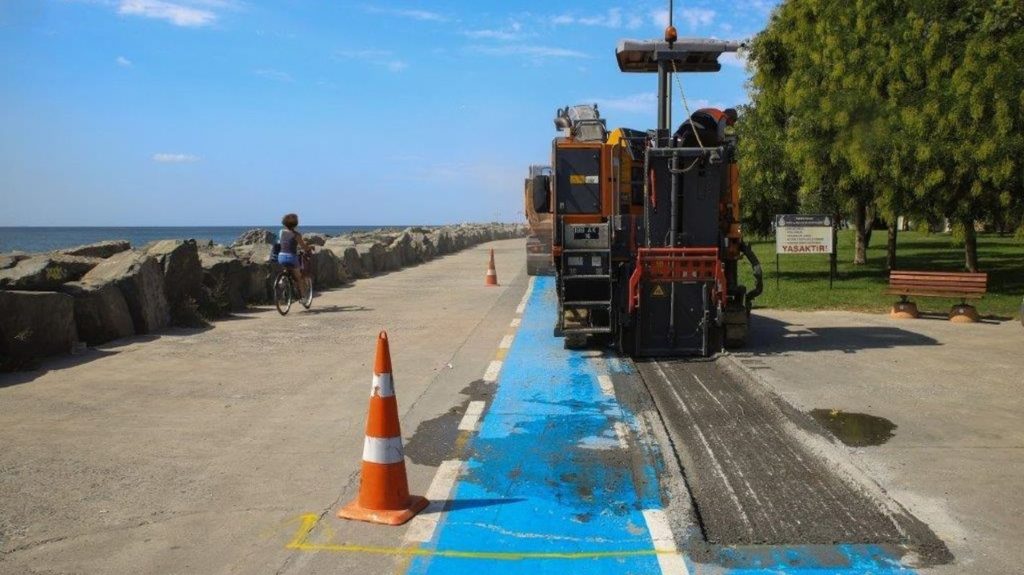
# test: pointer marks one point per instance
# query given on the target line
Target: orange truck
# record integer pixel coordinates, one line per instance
(537, 206)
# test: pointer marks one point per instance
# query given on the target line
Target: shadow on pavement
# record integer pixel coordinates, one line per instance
(772, 336)
(335, 309)
(451, 505)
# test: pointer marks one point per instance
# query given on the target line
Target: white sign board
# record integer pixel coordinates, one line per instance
(803, 234)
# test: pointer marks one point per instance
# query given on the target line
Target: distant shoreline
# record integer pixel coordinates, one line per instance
(39, 239)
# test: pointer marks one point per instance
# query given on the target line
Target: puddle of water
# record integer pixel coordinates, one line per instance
(855, 429)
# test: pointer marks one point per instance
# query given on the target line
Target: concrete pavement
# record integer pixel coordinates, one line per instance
(198, 452)
(956, 395)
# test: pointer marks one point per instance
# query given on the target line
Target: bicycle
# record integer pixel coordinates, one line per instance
(285, 290)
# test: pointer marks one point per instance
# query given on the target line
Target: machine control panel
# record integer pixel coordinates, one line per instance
(587, 236)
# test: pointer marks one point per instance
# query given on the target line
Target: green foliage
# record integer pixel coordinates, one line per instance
(769, 183)
(915, 107)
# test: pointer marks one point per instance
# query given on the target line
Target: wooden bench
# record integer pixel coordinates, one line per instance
(962, 286)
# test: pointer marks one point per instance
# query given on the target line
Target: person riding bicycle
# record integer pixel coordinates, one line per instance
(291, 240)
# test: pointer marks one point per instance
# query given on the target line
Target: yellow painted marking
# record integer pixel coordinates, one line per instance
(500, 355)
(299, 543)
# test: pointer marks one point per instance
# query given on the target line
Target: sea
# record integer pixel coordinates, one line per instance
(44, 239)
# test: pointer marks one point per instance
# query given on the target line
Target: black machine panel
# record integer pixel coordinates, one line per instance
(698, 188)
(701, 187)
(578, 180)
(654, 334)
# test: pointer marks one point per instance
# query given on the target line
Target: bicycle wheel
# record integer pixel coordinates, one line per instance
(308, 300)
(283, 293)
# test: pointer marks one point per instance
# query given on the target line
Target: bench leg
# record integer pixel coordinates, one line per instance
(904, 309)
(963, 313)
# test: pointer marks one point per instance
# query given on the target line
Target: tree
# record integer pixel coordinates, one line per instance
(768, 182)
(908, 108)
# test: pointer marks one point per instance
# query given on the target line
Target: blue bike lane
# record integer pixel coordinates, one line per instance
(551, 485)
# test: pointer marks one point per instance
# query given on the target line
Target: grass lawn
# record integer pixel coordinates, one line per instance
(803, 279)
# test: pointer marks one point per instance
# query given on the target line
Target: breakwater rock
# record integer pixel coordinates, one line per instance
(88, 295)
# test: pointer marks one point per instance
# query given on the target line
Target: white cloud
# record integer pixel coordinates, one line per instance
(513, 31)
(491, 34)
(530, 50)
(734, 59)
(123, 62)
(382, 58)
(659, 17)
(697, 18)
(272, 74)
(167, 158)
(632, 104)
(612, 18)
(192, 14)
(421, 15)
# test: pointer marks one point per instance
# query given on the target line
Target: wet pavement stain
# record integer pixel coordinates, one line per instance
(855, 429)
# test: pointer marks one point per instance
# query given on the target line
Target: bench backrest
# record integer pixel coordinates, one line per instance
(910, 281)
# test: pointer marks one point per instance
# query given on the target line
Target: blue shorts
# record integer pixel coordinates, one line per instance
(288, 260)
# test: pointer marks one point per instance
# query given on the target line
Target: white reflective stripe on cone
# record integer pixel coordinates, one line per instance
(383, 450)
(383, 385)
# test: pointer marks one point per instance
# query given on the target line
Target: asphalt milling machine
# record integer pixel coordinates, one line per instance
(646, 244)
(646, 240)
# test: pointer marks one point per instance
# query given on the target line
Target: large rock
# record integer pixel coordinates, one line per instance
(183, 277)
(10, 259)
(99, 249)
(226, 282)
(349, 256)
(260, 271)
(372, 256)
(101, 312)
(255, 236)
(36, 324)
(328, 269)
(46, 272)
(141, 281)
(315, 239)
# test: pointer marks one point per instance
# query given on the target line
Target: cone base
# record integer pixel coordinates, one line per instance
(356, 512)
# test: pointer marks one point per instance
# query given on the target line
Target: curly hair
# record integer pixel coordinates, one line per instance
(290, 221)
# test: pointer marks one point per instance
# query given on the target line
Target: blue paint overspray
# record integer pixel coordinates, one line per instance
(542, 478)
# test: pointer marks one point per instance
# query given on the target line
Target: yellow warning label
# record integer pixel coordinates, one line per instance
(577, 179)
(658, 291)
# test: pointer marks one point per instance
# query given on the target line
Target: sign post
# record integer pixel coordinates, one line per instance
(805, 234)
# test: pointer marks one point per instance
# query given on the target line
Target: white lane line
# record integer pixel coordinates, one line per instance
(472, 416)
(622, 433)
(506, 342)
(669, 559)
(526, 296)
(516, 322)
(606, 385)
(491, 375)
(422, 527)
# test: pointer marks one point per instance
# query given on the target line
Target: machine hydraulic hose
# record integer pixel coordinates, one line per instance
(755, 264)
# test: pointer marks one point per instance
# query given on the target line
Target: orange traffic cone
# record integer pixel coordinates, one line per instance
(383, 487)
(491, 279)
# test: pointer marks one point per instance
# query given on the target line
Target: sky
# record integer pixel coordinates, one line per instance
(232, 112)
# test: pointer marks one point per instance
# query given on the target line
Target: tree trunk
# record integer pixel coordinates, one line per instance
(869, 224)
(861, 246)
(890, 250)
(970, 246)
